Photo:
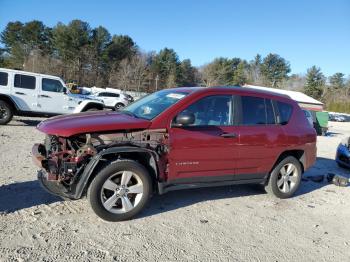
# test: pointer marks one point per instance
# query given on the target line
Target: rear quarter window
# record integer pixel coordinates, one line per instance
(3, 79)
(284, 112)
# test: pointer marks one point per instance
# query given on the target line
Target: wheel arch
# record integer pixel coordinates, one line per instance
(92, 105)
(143, 156)
(299, 154)
(10, 101)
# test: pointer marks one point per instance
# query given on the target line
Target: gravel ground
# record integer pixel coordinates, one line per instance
(233, 223)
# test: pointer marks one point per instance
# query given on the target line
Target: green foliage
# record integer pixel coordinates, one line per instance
(341, 107)
(121, 47)
(315, 82)
(21, 40)
(93, 56)
(274, 69)
(222, 72)
(239, 75)
(188, 74)
(166, 65)
(337, 81)
(69, 40)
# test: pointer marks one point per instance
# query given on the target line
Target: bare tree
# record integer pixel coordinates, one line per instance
(131, 74)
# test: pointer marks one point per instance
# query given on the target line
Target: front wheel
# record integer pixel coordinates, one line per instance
(285, 178)
(6, 113)
(120, 190)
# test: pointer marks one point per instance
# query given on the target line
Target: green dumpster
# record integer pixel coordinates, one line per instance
(321, 122)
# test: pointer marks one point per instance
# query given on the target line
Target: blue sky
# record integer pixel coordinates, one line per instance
(303, 32)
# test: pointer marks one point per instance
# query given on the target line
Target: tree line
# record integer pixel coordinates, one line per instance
(94, 57)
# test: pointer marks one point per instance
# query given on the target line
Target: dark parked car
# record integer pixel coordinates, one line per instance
(343, 153)
(176, 139)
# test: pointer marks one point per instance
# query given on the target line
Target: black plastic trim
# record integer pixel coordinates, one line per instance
(84, 178)
(212, 181)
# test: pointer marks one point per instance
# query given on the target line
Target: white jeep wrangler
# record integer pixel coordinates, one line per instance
(26, 93)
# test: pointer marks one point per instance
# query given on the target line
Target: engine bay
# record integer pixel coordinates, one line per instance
(65, 159)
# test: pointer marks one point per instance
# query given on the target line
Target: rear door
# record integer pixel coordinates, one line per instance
(25, 92)
(52, 98)
(205, 151)
(260, 137)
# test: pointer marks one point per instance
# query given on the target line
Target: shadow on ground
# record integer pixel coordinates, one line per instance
(24, 122)
(333, 134)
(17, 196)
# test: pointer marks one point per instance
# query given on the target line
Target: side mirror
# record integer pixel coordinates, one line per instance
(184, 119)
(64, 90)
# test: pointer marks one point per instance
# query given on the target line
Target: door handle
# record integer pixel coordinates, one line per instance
(228, 135)
(20, 93)
(46, 96)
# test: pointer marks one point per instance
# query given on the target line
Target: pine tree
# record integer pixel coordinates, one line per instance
(315, 82)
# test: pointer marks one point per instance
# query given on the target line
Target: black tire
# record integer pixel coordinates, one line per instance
(119, 106)
(342, 165)
(92, 109)
(275, 176)
(6, 113)
(95, 190)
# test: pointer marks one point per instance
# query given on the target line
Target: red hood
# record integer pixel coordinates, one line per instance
(90, 122)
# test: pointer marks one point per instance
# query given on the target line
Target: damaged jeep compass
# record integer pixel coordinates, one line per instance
(179, 138)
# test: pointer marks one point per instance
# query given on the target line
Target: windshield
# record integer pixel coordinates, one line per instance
(152, 105)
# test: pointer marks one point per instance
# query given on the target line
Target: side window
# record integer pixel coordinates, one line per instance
(3, 79)
(253, 110)
(110, 95)
(285, 112)
(212, 111)
(52, 85)
(24, 81)
(270, 114)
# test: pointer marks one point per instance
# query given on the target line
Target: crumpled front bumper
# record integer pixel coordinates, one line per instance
(37, 156)
(53, 187)
(48, 181)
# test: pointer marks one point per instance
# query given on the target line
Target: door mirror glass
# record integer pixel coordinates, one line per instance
(184, 119)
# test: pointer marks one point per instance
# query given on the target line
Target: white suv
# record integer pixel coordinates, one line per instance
(113, 100)
(26, 93)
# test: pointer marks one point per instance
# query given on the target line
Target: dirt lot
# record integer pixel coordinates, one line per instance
(235, 223)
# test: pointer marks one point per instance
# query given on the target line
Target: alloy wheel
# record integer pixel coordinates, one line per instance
(287, 178)
(122, 192)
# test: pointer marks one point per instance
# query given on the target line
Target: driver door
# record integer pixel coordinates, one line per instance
(205, 151)
(52, 98)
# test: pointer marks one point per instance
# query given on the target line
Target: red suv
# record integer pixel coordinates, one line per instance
(175, 139)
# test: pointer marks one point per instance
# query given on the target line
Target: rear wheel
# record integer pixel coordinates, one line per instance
(119, 106)
(6, 113)
(120, 191)
(285, 178)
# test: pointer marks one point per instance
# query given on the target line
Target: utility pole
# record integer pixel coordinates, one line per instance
(157, 78)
